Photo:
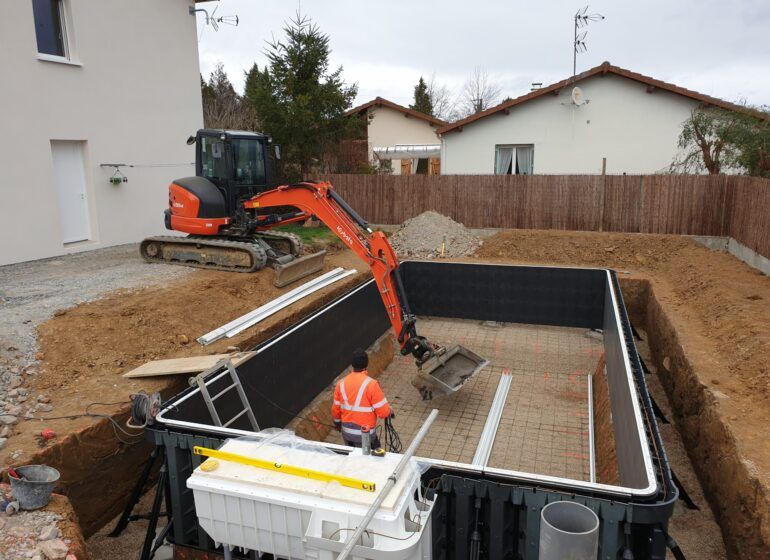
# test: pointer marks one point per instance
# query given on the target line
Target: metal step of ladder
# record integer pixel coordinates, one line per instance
(199, 381)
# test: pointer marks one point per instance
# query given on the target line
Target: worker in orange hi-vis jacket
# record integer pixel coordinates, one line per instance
(358, 402)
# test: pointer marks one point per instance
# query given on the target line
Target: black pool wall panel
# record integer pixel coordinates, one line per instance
(509, 520)
(537, 295)
(292, 368)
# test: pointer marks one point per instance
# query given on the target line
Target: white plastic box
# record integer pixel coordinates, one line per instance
(294, 517)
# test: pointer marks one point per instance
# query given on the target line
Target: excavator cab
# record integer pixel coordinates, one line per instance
(239, 163)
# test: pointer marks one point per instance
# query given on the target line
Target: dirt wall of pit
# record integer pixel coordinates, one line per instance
(735, 494)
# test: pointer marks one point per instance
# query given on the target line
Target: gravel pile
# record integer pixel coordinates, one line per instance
(423, 235)
(32, 535)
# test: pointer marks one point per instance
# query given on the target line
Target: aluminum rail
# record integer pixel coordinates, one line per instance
(591, 442)
(351, 542)
(245, 321)
(488, 434)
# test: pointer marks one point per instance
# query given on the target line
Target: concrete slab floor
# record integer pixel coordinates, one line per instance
(544, 425)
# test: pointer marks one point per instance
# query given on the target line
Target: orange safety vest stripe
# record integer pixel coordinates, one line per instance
(358, 399)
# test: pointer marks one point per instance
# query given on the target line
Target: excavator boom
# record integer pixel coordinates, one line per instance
(440, 370)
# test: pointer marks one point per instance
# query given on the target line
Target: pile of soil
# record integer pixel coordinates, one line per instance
(107, 337)
(423, 236)
(619, 250)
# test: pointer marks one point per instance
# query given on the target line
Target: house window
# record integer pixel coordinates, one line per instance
(422, 167)
(49, 27)
(514, 159)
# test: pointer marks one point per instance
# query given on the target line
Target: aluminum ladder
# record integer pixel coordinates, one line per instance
(198, 381)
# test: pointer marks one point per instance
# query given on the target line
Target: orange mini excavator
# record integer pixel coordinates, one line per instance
(230, 167)
(198, 207)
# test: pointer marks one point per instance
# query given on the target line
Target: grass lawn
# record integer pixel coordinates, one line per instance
(316, 236)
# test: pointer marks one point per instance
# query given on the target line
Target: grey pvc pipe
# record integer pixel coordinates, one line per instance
(568, 530)
(408, 454)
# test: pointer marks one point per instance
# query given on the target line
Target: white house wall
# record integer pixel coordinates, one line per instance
(134, 97)
(389, 127)
(636, 131)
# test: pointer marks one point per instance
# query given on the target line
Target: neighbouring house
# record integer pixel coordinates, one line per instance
(87, 85)
(400, 138)
(607, 119)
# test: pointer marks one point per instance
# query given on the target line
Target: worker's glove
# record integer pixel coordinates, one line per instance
(392, 415)
(338, 426)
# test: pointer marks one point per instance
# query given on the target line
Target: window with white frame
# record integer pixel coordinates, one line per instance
(514, 159)
(50, 27)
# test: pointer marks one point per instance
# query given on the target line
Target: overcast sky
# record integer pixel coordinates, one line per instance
(718, 48)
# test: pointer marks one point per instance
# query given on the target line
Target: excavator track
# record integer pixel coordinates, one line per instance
(283, 241)
(200, 252)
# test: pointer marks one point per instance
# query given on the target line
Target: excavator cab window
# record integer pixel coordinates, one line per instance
(249, 161)
(212, 159)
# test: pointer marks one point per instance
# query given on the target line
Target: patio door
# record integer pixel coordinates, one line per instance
(69, 178)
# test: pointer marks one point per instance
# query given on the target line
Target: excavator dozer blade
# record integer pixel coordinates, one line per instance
(447, 371)
(298, 268)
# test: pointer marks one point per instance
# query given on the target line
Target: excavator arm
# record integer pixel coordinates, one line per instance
(321, 200)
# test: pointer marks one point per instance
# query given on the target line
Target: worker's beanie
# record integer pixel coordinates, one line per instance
(360, 360)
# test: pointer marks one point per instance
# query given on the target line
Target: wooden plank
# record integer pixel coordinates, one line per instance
(192, 364)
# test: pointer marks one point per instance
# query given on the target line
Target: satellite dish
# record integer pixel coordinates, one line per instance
(577, 96)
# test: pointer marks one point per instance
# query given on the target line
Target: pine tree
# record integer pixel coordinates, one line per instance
(422, 100)
(299, 100)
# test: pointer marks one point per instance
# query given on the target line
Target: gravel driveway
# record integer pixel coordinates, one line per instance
(31, 292)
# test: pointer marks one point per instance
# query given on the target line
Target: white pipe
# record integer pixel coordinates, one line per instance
(392, 479)
(300, 295)
(568, 530)
(273, 306)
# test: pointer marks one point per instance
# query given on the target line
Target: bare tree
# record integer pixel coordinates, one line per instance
(441, 100)
(222, 106)
(478, 93)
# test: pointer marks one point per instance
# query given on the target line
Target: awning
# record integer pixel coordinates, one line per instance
(408, 151)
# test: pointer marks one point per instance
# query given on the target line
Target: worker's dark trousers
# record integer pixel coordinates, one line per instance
(375, 442)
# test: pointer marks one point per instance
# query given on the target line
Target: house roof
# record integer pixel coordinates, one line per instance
(381, 102)
(602, 69)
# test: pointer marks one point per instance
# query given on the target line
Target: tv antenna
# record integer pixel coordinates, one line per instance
(214, 21)
(582, 19)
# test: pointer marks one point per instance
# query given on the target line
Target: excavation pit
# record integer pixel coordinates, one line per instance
(544, 425)
(539, 328)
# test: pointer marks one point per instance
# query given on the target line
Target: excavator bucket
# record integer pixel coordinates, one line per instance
(446, 371)
(286, 273)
